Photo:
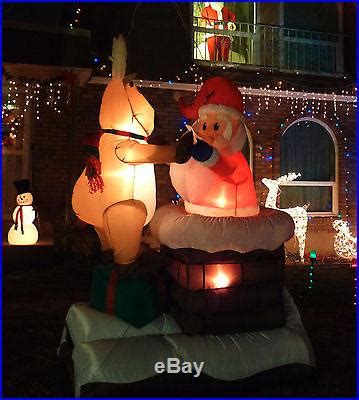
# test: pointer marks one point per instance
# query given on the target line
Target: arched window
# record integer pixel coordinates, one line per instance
(309, 147)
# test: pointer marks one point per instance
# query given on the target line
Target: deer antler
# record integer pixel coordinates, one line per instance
(119, 56)
(287, 178)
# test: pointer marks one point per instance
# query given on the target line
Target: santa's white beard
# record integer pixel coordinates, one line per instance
(236, 140)
(227, 134)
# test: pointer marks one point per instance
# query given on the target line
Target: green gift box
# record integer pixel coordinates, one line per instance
(134, 300)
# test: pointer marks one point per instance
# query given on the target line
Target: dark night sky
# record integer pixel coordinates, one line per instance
(156, 33)
(103, 19)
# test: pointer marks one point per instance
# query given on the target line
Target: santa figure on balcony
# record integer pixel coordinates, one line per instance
(217, 16)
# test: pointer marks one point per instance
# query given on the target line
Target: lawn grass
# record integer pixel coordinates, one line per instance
(36, 302)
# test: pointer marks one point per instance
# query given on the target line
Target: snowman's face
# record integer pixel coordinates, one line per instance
(24, 199)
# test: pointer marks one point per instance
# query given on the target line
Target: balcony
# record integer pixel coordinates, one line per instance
(273, 47)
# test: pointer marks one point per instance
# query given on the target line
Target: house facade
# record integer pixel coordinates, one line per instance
(294, 68)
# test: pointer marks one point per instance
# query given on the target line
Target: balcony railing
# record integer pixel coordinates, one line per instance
(286, 49)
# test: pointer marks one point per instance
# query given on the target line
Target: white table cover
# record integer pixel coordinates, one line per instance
(109, 350)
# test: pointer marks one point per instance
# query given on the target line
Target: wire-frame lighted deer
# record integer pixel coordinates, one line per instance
(345, 244)
(299, 214)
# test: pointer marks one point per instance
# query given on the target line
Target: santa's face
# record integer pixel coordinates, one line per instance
(217, 130)
(24, 199)
(212, 127)
(217, 5)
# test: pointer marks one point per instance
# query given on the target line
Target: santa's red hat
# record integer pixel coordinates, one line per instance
(216, 94)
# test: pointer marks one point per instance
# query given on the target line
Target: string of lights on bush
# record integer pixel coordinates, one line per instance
(312, 260)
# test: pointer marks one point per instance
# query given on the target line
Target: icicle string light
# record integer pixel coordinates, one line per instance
(262, 92)
(24, 96)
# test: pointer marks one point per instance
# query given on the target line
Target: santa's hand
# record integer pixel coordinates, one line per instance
(202, 151)
(183, 148)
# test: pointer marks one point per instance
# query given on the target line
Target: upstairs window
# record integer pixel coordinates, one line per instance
(223, 31)
(289, 37)
(309, 147)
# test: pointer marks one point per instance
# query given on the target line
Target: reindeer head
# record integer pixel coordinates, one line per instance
(340, 225)
(268, 182)
(123, 107)
(287, 178)
(281, 180)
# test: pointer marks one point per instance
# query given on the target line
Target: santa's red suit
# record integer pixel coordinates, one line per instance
(226, 186)
(218, 45)
(218, 183)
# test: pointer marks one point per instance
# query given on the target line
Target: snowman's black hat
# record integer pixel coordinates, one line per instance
(22, 186)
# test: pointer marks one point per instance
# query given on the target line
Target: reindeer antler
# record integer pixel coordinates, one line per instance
(287, 178)
(119, 56)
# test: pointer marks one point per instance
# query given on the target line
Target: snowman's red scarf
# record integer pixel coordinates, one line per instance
(19, 213)
(93, 164)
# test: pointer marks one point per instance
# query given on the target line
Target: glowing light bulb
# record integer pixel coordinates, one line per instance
(221, 201)
(220, 280)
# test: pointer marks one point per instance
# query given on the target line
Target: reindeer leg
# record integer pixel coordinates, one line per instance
(301, 240)
(301, 249)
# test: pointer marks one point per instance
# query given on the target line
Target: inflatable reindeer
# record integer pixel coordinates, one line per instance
(118, 196)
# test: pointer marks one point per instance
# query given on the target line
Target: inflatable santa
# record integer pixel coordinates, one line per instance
(223, 184)
(220, 247)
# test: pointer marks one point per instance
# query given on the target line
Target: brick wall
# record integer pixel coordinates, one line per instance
(50, 141)
(57, 158)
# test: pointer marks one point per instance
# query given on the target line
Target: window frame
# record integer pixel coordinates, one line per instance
(248, 35)
(333, 184)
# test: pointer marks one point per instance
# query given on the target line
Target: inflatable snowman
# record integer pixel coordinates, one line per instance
(23, 232)
(121, 198)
